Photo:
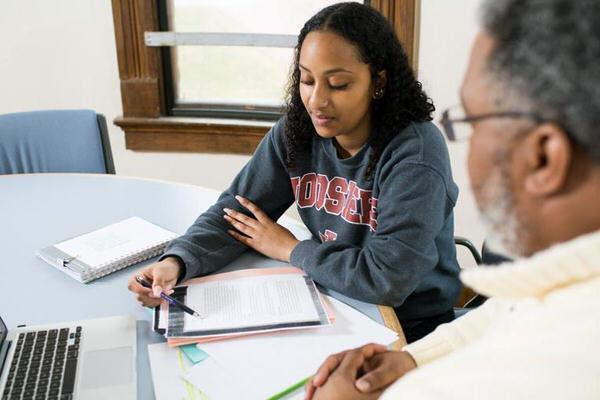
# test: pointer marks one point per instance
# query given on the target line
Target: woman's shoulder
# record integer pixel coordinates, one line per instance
(277, 133)
(420, 142)
(273, 142)
(420, 146)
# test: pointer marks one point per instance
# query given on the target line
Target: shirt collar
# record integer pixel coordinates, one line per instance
(561, 265)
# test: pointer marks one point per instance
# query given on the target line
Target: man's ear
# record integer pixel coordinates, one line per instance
(548, 154)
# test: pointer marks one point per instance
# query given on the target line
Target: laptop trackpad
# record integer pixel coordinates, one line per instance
(110, 367)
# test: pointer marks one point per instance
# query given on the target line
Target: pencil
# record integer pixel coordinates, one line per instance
(290, 389)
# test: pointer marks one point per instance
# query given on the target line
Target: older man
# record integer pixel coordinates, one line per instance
(531, 105)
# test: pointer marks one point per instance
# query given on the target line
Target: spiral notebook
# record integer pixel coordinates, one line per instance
(108, 249)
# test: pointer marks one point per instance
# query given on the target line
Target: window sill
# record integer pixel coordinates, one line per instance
(202, 135)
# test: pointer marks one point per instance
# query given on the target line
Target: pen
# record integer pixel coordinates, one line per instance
(290, 390)
(169, 299)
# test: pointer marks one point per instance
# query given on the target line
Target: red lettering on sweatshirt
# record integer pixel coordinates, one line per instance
(373, 214)
(327, 236)
(351, 212)
(307, 194)
(322, 183)
(336, 196)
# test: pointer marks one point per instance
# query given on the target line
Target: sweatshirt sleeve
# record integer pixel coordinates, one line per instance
(449, 337)
(413, 206)
(206, 246)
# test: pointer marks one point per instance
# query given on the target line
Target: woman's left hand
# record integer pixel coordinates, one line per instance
(261, 233)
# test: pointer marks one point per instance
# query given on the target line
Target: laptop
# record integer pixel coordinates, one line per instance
(91, 359)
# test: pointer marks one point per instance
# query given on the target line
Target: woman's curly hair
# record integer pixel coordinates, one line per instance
(403, 101)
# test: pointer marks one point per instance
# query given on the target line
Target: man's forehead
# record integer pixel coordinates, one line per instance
(474, 85)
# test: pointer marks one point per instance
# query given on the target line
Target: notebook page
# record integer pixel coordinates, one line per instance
(115, 241)
(252, 301)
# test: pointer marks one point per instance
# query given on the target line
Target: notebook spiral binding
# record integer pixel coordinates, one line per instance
(119, 263)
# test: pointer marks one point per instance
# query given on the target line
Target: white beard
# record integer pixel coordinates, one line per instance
(499, 217)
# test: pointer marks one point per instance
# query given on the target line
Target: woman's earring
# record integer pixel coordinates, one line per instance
(378, 93)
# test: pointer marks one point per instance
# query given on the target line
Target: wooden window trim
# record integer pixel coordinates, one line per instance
(144, 120)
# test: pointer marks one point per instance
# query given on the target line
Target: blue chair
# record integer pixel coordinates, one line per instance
(55, 141)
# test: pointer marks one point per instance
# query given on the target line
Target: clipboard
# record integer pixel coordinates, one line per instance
(169, 321)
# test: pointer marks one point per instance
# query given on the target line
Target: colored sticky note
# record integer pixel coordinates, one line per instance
(193, 353)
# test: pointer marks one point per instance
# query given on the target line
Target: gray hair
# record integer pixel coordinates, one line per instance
(547, 60)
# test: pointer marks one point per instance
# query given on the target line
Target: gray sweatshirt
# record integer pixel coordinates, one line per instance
(387, 240)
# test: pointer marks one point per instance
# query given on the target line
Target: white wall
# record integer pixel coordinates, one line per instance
(448, 28)
(61, 54)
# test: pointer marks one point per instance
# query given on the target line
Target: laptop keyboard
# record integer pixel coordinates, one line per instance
(44, 365)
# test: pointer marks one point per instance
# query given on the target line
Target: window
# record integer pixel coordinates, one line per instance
(221, 97)
(228, 80)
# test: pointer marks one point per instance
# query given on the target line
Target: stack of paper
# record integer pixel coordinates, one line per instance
(263, 365)
(241, 303)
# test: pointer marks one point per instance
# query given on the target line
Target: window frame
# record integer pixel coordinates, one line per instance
(203, 110)
(147, 94)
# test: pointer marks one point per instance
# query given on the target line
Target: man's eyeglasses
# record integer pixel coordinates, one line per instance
(456, 123)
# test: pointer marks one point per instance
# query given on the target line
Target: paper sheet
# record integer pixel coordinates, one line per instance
(253, 301)
(217, 382)
(264, 365)
(167, 366)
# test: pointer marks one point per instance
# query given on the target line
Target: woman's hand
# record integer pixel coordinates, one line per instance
(260, 233)
(163, 276)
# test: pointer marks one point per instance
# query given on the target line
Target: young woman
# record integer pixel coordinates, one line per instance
(370, 176)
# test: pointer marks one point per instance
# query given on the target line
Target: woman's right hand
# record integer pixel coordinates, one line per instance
(163, 275)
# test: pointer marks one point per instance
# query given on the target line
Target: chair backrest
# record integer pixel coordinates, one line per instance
(54, 141)
(469, 299)
(491, 257)
(466, 294)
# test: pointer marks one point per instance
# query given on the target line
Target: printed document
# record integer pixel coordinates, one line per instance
(252, 301)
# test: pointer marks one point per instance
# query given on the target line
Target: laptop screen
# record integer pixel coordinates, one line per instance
(3, 332)
(3, 344)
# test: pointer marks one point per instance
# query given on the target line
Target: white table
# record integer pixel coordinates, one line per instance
(39, 210)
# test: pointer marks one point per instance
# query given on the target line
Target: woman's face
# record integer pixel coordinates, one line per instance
(336, 87)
